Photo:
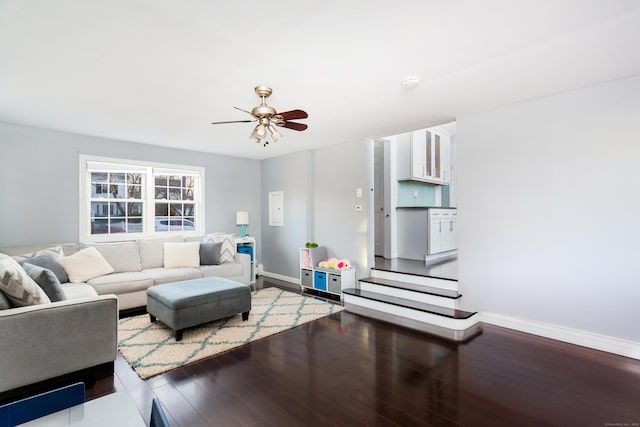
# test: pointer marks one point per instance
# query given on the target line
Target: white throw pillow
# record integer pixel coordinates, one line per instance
(84, 265)
(184, 254)
(17, 286)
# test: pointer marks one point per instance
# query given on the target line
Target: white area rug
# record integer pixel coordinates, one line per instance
(151, 348)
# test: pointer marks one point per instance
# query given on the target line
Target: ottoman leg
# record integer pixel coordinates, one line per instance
(152, 317)
(179, 335)
(245, 316)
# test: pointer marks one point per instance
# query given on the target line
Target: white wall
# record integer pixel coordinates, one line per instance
(549, 210)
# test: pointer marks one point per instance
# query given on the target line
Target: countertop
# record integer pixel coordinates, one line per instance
(425, 207)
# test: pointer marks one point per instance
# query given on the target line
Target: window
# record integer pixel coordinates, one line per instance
(121, 199)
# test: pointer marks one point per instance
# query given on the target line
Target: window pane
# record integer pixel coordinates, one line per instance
(188, 181)
(135, 191)
(134, 178)
(175, 194)
(118, 209)
(117, 225)
(99, 176)
(162, 209)
(134, 209)
(99, 226)
(99, 209)
(161, 180)
(175, 209)
(134, 225)
(175, 181)
(187, 194)
(116, 177)
(190, 223)
(161, 193)
(117, 191)
(99, 190)
(189, 209)
(162, 224)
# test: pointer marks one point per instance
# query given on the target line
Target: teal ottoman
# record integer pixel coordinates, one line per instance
(188, 303)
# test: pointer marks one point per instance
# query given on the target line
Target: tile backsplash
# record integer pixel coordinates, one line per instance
(425, 194)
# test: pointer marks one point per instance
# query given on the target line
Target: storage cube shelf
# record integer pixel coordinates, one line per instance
(323, 279)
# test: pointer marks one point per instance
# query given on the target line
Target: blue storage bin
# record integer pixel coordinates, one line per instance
(320, 280)
(246, 250)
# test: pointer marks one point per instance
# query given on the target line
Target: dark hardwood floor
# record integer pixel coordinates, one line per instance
(348, 370)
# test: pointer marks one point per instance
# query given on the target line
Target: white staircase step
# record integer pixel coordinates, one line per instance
(427, 298)
(446, 322)
(432, 282)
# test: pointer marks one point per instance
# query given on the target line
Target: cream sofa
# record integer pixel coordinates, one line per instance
(138, 265)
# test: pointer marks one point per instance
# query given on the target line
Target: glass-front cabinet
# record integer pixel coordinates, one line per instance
(431, 155)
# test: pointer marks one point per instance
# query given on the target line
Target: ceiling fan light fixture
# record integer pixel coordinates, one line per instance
(275, 135)
(254, 136)
(267, 118)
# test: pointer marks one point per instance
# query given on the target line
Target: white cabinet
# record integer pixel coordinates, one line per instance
(442, 230)
(431, 155)
(247, 245)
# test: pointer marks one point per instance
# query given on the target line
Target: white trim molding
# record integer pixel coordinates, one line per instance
(573, 336)
(281, 277)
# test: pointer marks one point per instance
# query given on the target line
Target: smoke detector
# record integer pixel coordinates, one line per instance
(411, 81)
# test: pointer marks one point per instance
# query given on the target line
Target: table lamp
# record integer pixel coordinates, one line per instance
(242, 219)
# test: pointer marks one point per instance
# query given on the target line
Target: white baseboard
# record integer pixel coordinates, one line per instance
(573, 336)
(281, 277)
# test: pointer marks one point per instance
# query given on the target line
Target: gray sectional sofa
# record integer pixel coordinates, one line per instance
(137, 265)
(44, 341)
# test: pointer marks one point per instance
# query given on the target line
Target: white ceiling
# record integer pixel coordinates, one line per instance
(159, 71)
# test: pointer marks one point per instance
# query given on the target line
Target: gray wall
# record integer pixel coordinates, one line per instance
(319, 205)
(291, 174)
(39, 183)
(548, 202)
(338, 171)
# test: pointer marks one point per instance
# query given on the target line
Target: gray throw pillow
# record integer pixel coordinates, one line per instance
(47, 281)
(210, 253)
(49, 262)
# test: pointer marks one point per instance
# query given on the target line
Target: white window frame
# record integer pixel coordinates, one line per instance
(149, 169)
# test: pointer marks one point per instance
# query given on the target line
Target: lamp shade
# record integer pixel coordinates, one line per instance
(242, 218)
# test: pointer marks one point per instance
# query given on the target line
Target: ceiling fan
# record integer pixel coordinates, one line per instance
(268, 118)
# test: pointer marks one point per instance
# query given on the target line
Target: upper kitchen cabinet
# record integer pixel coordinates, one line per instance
(431, 155)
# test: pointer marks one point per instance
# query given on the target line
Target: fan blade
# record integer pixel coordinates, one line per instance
(248, 112)
(293, 115)
(233, 121)
(294, 126)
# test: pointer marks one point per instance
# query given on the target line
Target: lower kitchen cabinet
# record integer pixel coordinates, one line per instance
(442, 225)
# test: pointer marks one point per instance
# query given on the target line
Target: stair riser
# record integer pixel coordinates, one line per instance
(455, 329)
(451, 285)
(414, 296)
